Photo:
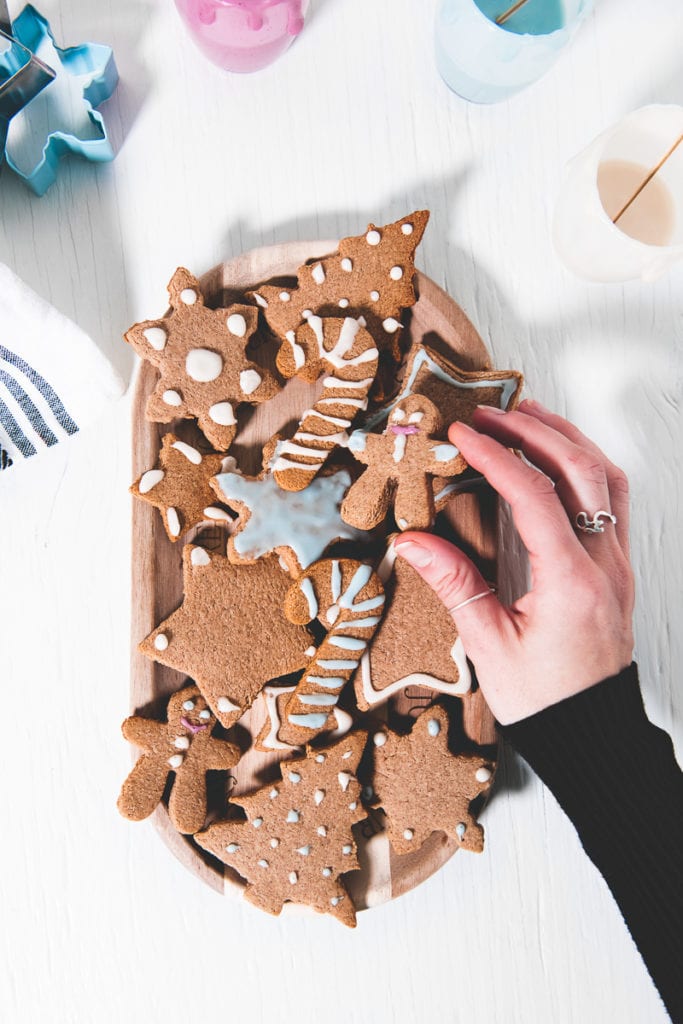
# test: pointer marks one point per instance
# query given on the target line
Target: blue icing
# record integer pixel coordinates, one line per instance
(306, 521)
(357, 441)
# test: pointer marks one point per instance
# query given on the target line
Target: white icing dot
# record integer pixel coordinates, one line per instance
(188, 296)
(283, 564)
(353, 806)
(332, 614)
(460, 829)
(319, 796)
(200, 557)
(346, 755)
(232, 848)
(344, 779)
(190, 453)
(156, 336)
(172, 398)
(343, 303)
(274, 843)
(373, 238)
(249, 381)
(396, 273)
(374, 295)
(362, 321)
(306, 313)
(285, 296)
(217, 514)
(407, 229)
(292, 816)
(173, 521)
(273, 794)
(327, 872)
(379, 739)
(304, 850)
(150, 479)
(176, 760)
(347, 265)
(336, 900)
(257, 822)
(161, 641)
(205, 714)
(403, 523)
(322, 831)
(182, 742)
(222, 414)
(294, 777)
(318, 274)
(346, 850)
(188, 705)
(293, 877)
(320, 758)
(237, 325)
(482, 775)
(262, 863)
(310, 651)
(260, 301)
(433, 727)
(225, 705)
(203, 365)
(408, 834)
(390, 325)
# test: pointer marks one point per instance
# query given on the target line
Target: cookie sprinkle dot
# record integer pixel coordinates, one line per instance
(407, 229)
(352, 806)
(176, 760)
(346, 755)
(257, 822)
(294, 777)
(188, 296)
(326, 872)
(346, 850)
(217, 514)
(322, 831)
(205, 714)
(293, 878)
(237, 325)
(379, 739)
(292, 816)
(408, 834)
(390, 325)
(161, 641)
(433, 727)
(200, 557)
(396, 273)
(273, 794)
(262, 863)
(336, 900)
(232, 848)
(203, 365)
(373, 238)
(225, 705)
(344, 779)
(188, 705)
(347, 265)
(274, 843)
(343, 303)
(156, 336)
(318, 274)
(173, 521)
(460, 829)
(150, 479)
(182, 742)
(320, 758)
(374, 295)
(249, 381)
(285, 296)
(172, 398)
(482, 775)
(304, 850)
(222, 414)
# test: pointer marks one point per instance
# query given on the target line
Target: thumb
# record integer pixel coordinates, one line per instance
(455, 580)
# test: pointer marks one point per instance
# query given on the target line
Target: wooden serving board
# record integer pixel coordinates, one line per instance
(157, 567)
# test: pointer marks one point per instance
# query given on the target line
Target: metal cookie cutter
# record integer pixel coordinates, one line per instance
(22, 76)
(62, 118)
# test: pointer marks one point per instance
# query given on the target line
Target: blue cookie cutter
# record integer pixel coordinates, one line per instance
(88, 69)
(22, 76)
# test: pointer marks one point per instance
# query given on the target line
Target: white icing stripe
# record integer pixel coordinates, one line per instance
(355, 403)
(329, 682)
(337, 382)
(321, 700)
(308, 721)
(349, 643)
(367, 606)
(297, 351)
(463, 685)
(335, 664)
(359, 580)
(306, 467)
(336, 420)
(271, 694)
(306, 588)
(372, 620)
(294, 448)
(335, 581)
(337, 438)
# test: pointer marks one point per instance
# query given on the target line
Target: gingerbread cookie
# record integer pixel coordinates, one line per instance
(179, 486)
(347, 598)
(346, 353)
(424, 788)
(456, 393)
(182, 745)
(275, 699)
(297, 525)
(230, 634)
(297, 842)
(415, 644)
(200, 355)
(400, 465)
(370, 275)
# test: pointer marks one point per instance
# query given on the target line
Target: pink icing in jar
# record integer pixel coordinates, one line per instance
(243, 35)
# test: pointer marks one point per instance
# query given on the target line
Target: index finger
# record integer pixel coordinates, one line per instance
(537, 511)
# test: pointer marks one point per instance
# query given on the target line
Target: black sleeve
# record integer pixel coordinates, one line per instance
(615, 775)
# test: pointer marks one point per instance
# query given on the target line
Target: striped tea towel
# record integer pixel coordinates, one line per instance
(53, 378)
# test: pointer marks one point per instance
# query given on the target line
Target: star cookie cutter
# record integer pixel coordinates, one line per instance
(22, 76)
(63, 114)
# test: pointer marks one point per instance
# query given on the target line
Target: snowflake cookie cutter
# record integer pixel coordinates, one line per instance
(22, 76)
(84, 76)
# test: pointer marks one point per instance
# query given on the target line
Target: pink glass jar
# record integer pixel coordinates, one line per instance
(243, 35)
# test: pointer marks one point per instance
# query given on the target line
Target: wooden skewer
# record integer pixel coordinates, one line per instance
(648, 179)
(502, 18)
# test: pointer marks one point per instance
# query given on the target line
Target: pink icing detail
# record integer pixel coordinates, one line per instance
(194, 729)
(398, 428)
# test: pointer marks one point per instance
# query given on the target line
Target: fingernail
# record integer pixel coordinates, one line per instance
(492, 408)
(414, 553)
(531, 403)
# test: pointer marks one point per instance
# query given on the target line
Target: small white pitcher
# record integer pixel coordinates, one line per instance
(585, 237)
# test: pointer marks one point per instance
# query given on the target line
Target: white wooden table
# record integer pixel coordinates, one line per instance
(99, 924)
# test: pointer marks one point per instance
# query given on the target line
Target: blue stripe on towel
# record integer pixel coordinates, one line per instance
(15, 432)
(45, 389)
(31, 411)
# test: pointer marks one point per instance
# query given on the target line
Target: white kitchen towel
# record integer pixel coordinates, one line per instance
(53, 378)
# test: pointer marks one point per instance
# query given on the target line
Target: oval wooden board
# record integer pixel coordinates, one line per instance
(157, 566)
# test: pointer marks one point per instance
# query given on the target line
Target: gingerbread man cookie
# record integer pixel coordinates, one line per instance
(424, 788)
(400, 465)
(200, 355)
(182, 745)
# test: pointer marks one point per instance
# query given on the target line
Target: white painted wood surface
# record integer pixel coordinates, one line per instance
(99, 924)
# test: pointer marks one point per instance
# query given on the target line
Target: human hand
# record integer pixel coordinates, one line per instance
(573, 628)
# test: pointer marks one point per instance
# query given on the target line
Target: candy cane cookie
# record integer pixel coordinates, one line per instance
(346, 353)
(347, 597)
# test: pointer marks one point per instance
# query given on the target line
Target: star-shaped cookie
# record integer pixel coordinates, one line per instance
(179, 486)
(230, 634)
(200, 355)
(297, 842)
(424, 788)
